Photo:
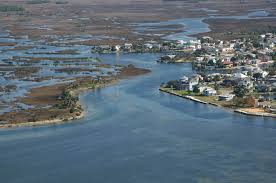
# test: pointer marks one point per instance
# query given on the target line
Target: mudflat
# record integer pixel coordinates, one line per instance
(114, 19)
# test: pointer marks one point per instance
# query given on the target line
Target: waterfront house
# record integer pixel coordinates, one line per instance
(209, 92)
(189, 83)
(117, 47)
(128, 46)
(148, 46)
(227, 97)
(272, 109)
(167, 58)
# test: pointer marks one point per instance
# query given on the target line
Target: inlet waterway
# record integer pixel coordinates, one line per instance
(132, 133)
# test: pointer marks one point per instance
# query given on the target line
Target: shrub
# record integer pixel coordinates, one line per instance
(38, 1)
(10, 8)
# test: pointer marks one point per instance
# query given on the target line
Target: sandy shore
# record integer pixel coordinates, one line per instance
(42, 123)
(75, 92)
(245, 111)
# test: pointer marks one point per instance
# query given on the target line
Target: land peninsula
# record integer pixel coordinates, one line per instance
(59, 103)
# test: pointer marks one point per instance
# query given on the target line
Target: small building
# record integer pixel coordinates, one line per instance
(239, 76)
(209, 92)
(167, 58)
(227, 97)
(272, 109)
(227, 64)
(190, 83)
(128, 46)
(116, 48)
(148, 46)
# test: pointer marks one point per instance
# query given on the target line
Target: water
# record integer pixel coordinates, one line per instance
(134, 133)
(193, 26)
(190, 26)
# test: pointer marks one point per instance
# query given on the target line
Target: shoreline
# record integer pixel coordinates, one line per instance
(126, 73)
(43, 122)
(75, 92)
(240, 111)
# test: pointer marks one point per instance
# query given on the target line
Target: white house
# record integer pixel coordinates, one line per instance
(227, 97)
(209, 92)
(148, 46)
(189, 83)
(239, 76)
(128, 46)
(117, 48)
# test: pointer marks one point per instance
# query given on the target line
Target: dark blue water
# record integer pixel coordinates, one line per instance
(132, 133)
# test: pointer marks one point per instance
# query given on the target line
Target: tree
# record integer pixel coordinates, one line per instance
(272, 69)
(211, 63)
(216, 87)
(240, 91)
(174, 84)
(217, 78)
(196, 89)
(273, 55)
(234, 59)
(257, 75)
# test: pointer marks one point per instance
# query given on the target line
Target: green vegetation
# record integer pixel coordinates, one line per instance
(196, 89)
(61, 2)
(69, 102)
(272, 69)
(173, 84)
(273, 55)
(11, 8)
(240, 91)
(38, 1)
(181, 92)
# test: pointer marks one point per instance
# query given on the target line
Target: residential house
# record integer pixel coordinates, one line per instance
(239, 76)
(209, 92)
(190, 83)
(128, 46)
(227, 97)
